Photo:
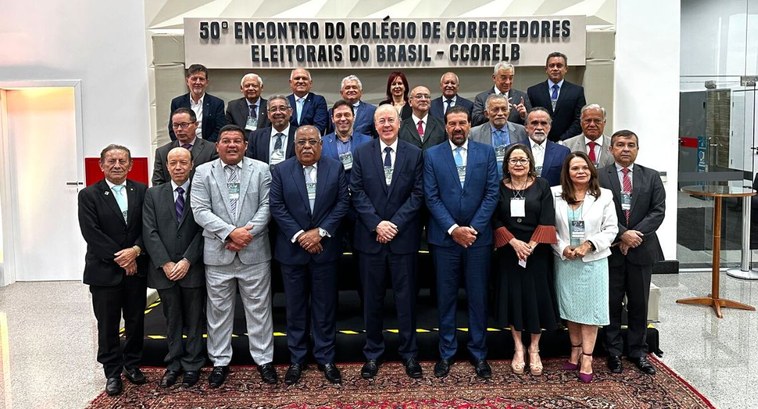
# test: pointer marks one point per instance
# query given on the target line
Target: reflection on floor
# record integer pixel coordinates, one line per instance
(48, 343)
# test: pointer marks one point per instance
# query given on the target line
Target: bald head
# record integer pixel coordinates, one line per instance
(179, 164)
(420, 100)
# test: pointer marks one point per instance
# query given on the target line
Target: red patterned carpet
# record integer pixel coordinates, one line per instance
(393, 389)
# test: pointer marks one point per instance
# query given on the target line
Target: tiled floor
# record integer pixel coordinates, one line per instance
(47, 343)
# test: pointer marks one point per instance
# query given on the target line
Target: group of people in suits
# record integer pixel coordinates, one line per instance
(380, 175)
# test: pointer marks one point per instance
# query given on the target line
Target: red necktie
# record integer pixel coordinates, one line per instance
(591, 152)
(420, 130)
(627, 187)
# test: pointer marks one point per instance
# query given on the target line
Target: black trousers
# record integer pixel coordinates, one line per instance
(633, 281)
(108, 303)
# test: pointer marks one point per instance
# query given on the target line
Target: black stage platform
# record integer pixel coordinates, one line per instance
(350, 336)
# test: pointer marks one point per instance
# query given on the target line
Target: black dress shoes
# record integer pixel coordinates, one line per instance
(169, 378)
(442, 367)
(218, 376)
(135, 376)
(614, 364)
(370, 368)
(113, 386)
(412, 368)
(482, 369)
(294, 372)
(268, 373)
(190, 379)
(331, 372)
(644, 365)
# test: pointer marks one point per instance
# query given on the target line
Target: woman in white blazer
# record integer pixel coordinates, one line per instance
(585, 220)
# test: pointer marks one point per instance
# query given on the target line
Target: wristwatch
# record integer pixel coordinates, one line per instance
(322, 232)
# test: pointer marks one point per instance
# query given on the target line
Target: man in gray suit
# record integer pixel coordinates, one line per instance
(230, 202)
(175, 244)
(502, 76)
(498, 132)
(422, 129)
(592, 141)
(184, 124)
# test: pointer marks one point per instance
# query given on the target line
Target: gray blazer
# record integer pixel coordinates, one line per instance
(168, 239)
(483, 133)
(211, 208)
(477, 114)
(203, 151)
(576, 143)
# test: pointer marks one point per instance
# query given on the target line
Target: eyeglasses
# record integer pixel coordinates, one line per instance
(182, 125)
(311, 142)
(422, 96)
(279, 109)
(518, 161)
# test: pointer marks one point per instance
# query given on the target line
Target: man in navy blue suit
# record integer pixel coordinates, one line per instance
(274, 143)
(351, 90)
(562, 99)
(208, 109)
(548, 155)
(308, 200)
(461, 190)
(307, 108)
(449, 84)
(387, 194)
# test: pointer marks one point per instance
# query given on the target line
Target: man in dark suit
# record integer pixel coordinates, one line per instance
(209, 110)
(548, 155)
(387, 194)
(502, 76)
(184, 122)
(275, 143)
(248, 112)
(308, 108)
(351, 90)
(562, 99)
(110, 218)
(498, 132)
(421, 129)
(308, 200)
(640, 201)
(449, 86)
(461, 191)
(341, 144)
(175, 245)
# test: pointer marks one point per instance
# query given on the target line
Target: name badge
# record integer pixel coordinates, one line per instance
(518, 207)
(311, 188)
(577, 229)
(626, 200)
(538, 170)
(500, 153)
(347, 160)
(234, 190)
(522, 263)
(276, 157)
(251, 124)
(461, 174)
(388, 174)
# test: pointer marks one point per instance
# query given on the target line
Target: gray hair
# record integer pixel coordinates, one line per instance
(454, 75)
(251, 76)
(301, 68)
(593, 106)
(502, 65)
(279, 96)
(493, 97)
(351, 77)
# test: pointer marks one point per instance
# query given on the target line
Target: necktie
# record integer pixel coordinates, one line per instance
(554, 95)
(388, 157)
(179, 204)
(448, 104)
(252, 111)
(278, 143)
(118, 192)
(300, 102)
(187, 146)
(627, 187)
(233, 177)
(307, 171)
(420, 130)
(458, 159)
(591, 151)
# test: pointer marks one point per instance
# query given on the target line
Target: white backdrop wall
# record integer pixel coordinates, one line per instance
(646, 95)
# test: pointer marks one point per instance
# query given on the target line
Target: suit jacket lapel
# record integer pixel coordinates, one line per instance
(132, 205)
(471, 157)
(298, 178)
(219, 173)
(452, 168)
(245, 174)
(110, 199)
(379, 165)
(637, 180)
(322, 174)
